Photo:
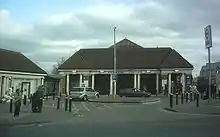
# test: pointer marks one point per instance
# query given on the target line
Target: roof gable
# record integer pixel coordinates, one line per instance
(175, 60)
(15, 61)
(125, 43)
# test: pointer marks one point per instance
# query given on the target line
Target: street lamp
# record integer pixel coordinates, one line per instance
(114, 73)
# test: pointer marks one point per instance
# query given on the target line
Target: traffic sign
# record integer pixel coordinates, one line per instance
(208, 36)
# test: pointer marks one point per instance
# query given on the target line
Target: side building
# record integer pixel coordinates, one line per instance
(19, 72)
(137, 67)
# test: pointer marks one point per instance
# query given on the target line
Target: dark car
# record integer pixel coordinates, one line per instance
(133, 92)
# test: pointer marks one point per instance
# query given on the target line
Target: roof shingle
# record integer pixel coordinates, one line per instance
(128, 57)
(15, 61)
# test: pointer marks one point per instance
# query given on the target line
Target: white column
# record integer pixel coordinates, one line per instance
(111, 85)
(183, 82)
(93, 81)
(1, 86)
(138, 81)
(42, 81)
(169, 83)
(157, 83)
(4, 86)
(115, 87)
(135, 80)
(67, 83)
(80, 80)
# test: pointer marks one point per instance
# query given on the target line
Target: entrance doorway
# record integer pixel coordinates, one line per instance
(26, 88)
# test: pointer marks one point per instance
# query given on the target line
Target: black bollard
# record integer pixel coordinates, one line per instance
(58, 103)
(186, 97)
(191, 97)
(66, 103)
(182, 98)
(31, 98)
(171, 100)
(197, 100)
(70, 105)
(195, 96)
(25, 100)
(177, 101)
(53, 96)
(11, 104)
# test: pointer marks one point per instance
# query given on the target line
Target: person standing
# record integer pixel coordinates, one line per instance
(17, 102)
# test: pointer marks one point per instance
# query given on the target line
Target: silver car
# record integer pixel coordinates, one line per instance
(83, 93)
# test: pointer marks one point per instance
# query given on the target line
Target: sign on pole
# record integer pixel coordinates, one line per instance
(208, 36)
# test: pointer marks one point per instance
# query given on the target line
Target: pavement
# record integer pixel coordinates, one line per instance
(50, 114)
(191, 108)
(121, 120)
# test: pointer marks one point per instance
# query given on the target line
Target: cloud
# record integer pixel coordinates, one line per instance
(162, 23)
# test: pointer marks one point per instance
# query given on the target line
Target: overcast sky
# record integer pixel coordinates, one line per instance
(46, 30)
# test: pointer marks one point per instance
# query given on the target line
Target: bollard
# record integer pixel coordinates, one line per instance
(66, 103)
(11, 104)
(70, 104)
(58, 103)
(53, 96)
(182, 98)
(177, 99)
(197, 100)
(31, 98)
(25, 100)
(186, 97)
(191, 97)
(171, 100)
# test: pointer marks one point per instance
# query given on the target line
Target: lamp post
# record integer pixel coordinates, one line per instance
(115, 59)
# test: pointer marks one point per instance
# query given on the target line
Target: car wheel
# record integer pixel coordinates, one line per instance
(85, 98)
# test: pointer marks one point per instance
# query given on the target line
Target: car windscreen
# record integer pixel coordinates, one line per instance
(76, 89)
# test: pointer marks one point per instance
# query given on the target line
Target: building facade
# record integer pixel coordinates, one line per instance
(137, 67)
(18, 72)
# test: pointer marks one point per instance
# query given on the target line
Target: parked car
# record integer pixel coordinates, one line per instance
(133, 92)
(84, 93)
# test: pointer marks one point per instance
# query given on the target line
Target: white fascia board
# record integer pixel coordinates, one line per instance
(179, 70)
(20, 73)
(108, 71)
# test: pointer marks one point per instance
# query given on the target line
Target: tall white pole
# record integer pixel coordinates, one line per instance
(115, 59)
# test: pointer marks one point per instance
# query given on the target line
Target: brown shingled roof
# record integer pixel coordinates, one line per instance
(15, 61)
(132, 56)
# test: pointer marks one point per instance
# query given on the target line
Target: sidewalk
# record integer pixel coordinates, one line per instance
(26, 117)
(117, 99)
(203, 109)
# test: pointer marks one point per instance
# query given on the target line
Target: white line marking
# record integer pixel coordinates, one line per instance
(191, 114)
(84, 105)
(74, 107)
(107, 106)
(151, 102)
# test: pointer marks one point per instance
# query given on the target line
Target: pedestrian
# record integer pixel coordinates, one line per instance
(17, 102)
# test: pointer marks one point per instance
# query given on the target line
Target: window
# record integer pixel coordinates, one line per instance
(77, 89)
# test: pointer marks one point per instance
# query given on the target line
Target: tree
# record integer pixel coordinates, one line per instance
(57, 65)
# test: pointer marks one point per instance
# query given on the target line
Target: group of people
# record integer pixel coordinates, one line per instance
(36, 100)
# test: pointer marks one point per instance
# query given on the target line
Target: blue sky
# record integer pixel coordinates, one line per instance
(47, 30)
(27, 11)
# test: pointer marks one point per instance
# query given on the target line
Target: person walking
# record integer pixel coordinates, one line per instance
(17, 102)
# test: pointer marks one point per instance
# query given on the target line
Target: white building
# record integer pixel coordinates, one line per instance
(17, 71)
